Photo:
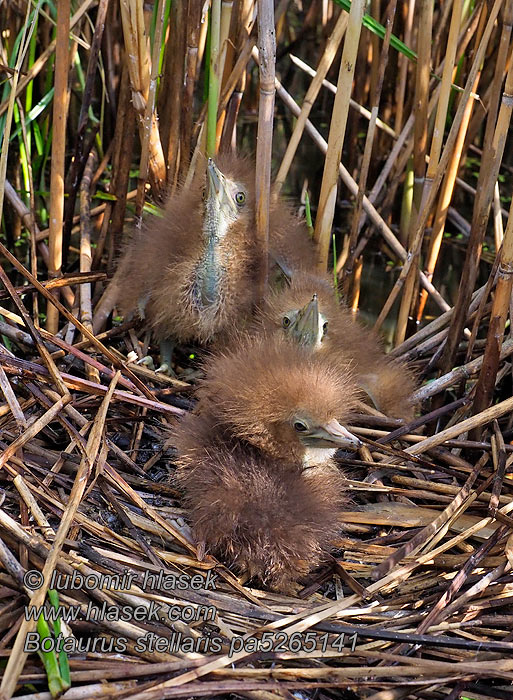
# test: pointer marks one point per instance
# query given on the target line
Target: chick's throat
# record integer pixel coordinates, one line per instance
(220, 214)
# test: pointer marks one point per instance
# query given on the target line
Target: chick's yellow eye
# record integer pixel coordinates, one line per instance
(286, 322)
(240, 198)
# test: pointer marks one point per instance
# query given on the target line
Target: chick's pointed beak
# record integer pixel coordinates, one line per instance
(218, 197)
(305, 328)
(331, 434)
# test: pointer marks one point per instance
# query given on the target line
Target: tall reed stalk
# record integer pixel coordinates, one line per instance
(420, 140)
(60, 111)
(502, 299)
(488, 174)
(436, 147)
(328, 195)
(213, 76)
(267, 56)
(311, 95)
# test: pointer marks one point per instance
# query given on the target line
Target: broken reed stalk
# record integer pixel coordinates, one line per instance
(213, 76)
(138, 63)
(367, 153)
(311, 95)
(59, 118)
(436, 148)
(149, 111)
(501, 301)
(488, 173)
(267, 60)
(420, 139)
(328, 194)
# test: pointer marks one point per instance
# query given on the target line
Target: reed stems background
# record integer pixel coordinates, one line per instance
(392, 119)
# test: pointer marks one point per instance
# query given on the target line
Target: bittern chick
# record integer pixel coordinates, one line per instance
(307, 312)
(189, 275)
(255, 459)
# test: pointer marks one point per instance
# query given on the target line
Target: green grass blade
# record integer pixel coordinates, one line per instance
(378, 29)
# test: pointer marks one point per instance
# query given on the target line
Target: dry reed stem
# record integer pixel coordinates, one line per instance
(438, 130)
(224, 45)
(28, 219)
(466, 34)
(501, 302)
(171, 88)
(333, 88)
(267, 59)
(459, 373)
(59, 118)
(349, 182)
(191, 73)
(420, 137)
(34, 508)
(444, 160)
(488, 174)
(149, 112)
(445, 197)
(86, 312)
(311, 95)
(18, 655)
(52, 368)
(328, 195)
(367, 153)
(12, 401)
(138, 63)
(479, 420)
(79, 326)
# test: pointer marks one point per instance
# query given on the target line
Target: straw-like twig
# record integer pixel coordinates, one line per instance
(267, 56)
(327, 197)
(60, 110)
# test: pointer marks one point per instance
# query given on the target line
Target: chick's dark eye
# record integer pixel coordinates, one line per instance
(325, 327)
(300, 426)
(240, 198)
(286, 322)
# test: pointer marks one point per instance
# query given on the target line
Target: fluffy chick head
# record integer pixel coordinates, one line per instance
(280, 398)
(301, 311)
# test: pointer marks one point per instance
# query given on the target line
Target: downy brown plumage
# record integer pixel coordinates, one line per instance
(255, 458)
(307, 312)
(190, 274)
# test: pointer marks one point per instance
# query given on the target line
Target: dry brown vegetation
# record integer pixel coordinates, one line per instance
(410, 167)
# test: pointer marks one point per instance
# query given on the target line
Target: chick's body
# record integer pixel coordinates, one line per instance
(328, 329)
(189, 275)
(255, 459)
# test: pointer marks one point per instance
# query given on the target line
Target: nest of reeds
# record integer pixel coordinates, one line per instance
(102, 591)
(415, 595)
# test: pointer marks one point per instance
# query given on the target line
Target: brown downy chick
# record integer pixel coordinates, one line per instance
(189, 275)
(255, 459)
(308, 312)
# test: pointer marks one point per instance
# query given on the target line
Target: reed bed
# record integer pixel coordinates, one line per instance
(408, 169)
